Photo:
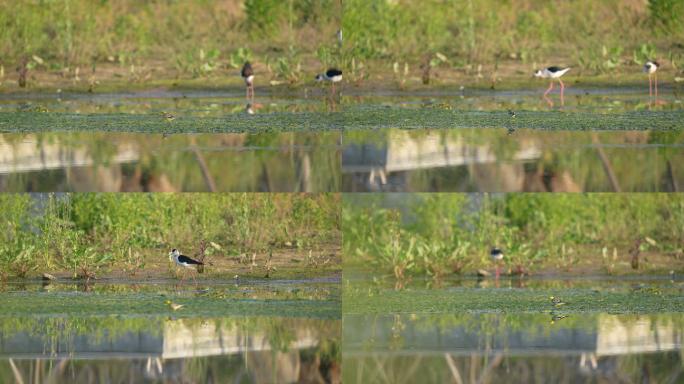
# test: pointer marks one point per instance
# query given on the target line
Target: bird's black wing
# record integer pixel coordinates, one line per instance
(332, 72)
(553, 69)
(186, 260)
(247, 70)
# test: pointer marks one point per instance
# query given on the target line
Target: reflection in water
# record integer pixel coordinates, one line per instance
(113, 162)
(108, 349)
(472, 160)
(518, 348)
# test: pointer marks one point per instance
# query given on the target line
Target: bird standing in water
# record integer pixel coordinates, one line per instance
(497, 255)
(332, 75)
(553, 73)
(650, 68)
(247, 74)
(185, 261)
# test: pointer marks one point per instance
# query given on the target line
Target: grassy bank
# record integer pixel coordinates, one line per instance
(413, 41)
(443, 234)
(90, 44)
(89, 234)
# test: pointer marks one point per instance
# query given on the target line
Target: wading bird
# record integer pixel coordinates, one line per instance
(332, 75)
(247, 74)
(553, 73)
(650, 68)
(184, 261)
(497, 255)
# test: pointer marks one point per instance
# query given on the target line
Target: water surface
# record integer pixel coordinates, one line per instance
(249, 330)
(503, 160)
(130, 162)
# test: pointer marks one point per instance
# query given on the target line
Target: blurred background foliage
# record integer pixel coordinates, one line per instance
(440, 234)
(84, 232)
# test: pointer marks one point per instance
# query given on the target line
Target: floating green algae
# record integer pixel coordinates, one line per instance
(474, 300)
(353, 118)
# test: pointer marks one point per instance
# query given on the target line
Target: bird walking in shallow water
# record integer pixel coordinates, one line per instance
(497, 255)
(332, 75)
(247, 74)
(185, 261)
(553, 73)
(651, 67)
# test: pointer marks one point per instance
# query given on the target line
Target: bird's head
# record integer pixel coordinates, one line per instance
(174, 252)
(539, 73)
(319, 77)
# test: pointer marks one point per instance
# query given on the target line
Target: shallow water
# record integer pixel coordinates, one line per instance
(130, 162)
(524, 160)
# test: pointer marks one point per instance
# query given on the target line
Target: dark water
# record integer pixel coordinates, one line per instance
(512, 348)
(129, 162)
(147, 350)
(494, 160)
(483, 344)
(251, 331)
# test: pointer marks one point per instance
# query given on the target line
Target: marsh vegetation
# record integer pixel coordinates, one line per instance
(444, 234)
(85, 235)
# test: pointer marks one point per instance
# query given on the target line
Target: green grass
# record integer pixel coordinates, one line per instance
(88, 232)
(191, 38)
(596, 36)
(91, 42)
(442, 234)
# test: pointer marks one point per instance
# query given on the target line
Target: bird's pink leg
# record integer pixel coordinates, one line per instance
(497, 271)
(549, 89)
(650, 86)
(656, 86)
(562, 91)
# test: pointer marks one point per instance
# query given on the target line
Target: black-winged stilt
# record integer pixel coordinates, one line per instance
(497, 255)
(553, 73)
(184, 261)
(247, 74)
(333, 75)
(650, 68)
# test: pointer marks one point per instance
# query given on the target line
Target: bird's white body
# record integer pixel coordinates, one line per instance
(174, 256)
(550, 73)
(651, 67)
(334, 79)
(497, 256)
(249, 79)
